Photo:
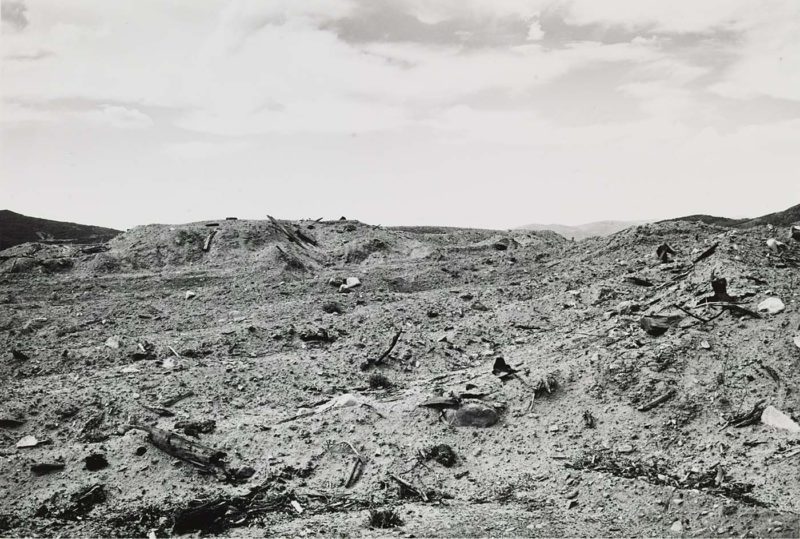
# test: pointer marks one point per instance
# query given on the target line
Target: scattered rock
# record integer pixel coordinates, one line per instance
(113, 342)
(776, 246)
(19, 356)
(655, 326)
(349, 284)
(771, 306)
(775, 418)
(28, 441)
(195, 428)
(473, 415)
(478, 306)
(316, 335)
(95, 461)
(43, 468)
(33, 324)
(332, 307)
(664, 252)
(443, 454)
(10, 423)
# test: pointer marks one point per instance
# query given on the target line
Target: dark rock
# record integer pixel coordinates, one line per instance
(96, 461)
(473, 415)
(42, 468)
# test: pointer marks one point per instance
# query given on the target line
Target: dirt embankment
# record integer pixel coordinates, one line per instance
(538, 387)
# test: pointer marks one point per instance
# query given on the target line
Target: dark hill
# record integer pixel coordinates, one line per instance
(781, 218)
(16, 228)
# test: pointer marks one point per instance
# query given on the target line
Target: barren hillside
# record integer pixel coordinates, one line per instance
(409, 381)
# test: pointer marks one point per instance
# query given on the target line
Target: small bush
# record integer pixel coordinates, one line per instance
(384, 518)
(379, 381)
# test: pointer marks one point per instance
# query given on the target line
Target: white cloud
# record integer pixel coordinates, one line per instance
(119, 117)
(535, 32)
(112, 116)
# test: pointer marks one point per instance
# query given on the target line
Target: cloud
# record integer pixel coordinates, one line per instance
(119, 117)
(112, 116)
(12, 13)
(535, 32)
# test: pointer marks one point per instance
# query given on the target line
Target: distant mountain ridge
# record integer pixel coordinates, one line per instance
(16, 228)
(786, 217)
(586, 230)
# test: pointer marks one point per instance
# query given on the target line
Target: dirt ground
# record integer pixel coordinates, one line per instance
(246, 330)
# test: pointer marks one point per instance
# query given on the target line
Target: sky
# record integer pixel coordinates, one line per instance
(481, 113)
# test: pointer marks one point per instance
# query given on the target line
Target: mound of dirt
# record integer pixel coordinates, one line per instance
(533, 360)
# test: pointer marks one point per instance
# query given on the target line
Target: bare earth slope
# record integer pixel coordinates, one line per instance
(257, 337)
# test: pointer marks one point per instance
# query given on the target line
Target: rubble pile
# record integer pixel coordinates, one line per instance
(333, 377)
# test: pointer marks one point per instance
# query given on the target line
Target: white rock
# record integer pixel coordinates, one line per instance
(113, 342)
(775, 245)
(775, 418)
(190, 294)
(677, 527)
(128, 370)
(771, 306)
(705, 346)
(28, 441)
(797, 340)
(349, 284)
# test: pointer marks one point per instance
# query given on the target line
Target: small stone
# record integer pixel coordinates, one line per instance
(190, 294)
(625, 448)
(113, 342)
(27, 441)
(775, 418)
(771, 306)
(677, 527)
(473, 415)
(705, 345)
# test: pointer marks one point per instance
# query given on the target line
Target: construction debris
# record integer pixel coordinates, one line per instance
(705, 254)
(207, 459)
(207, 242)
(380, 359)
(658, 401)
